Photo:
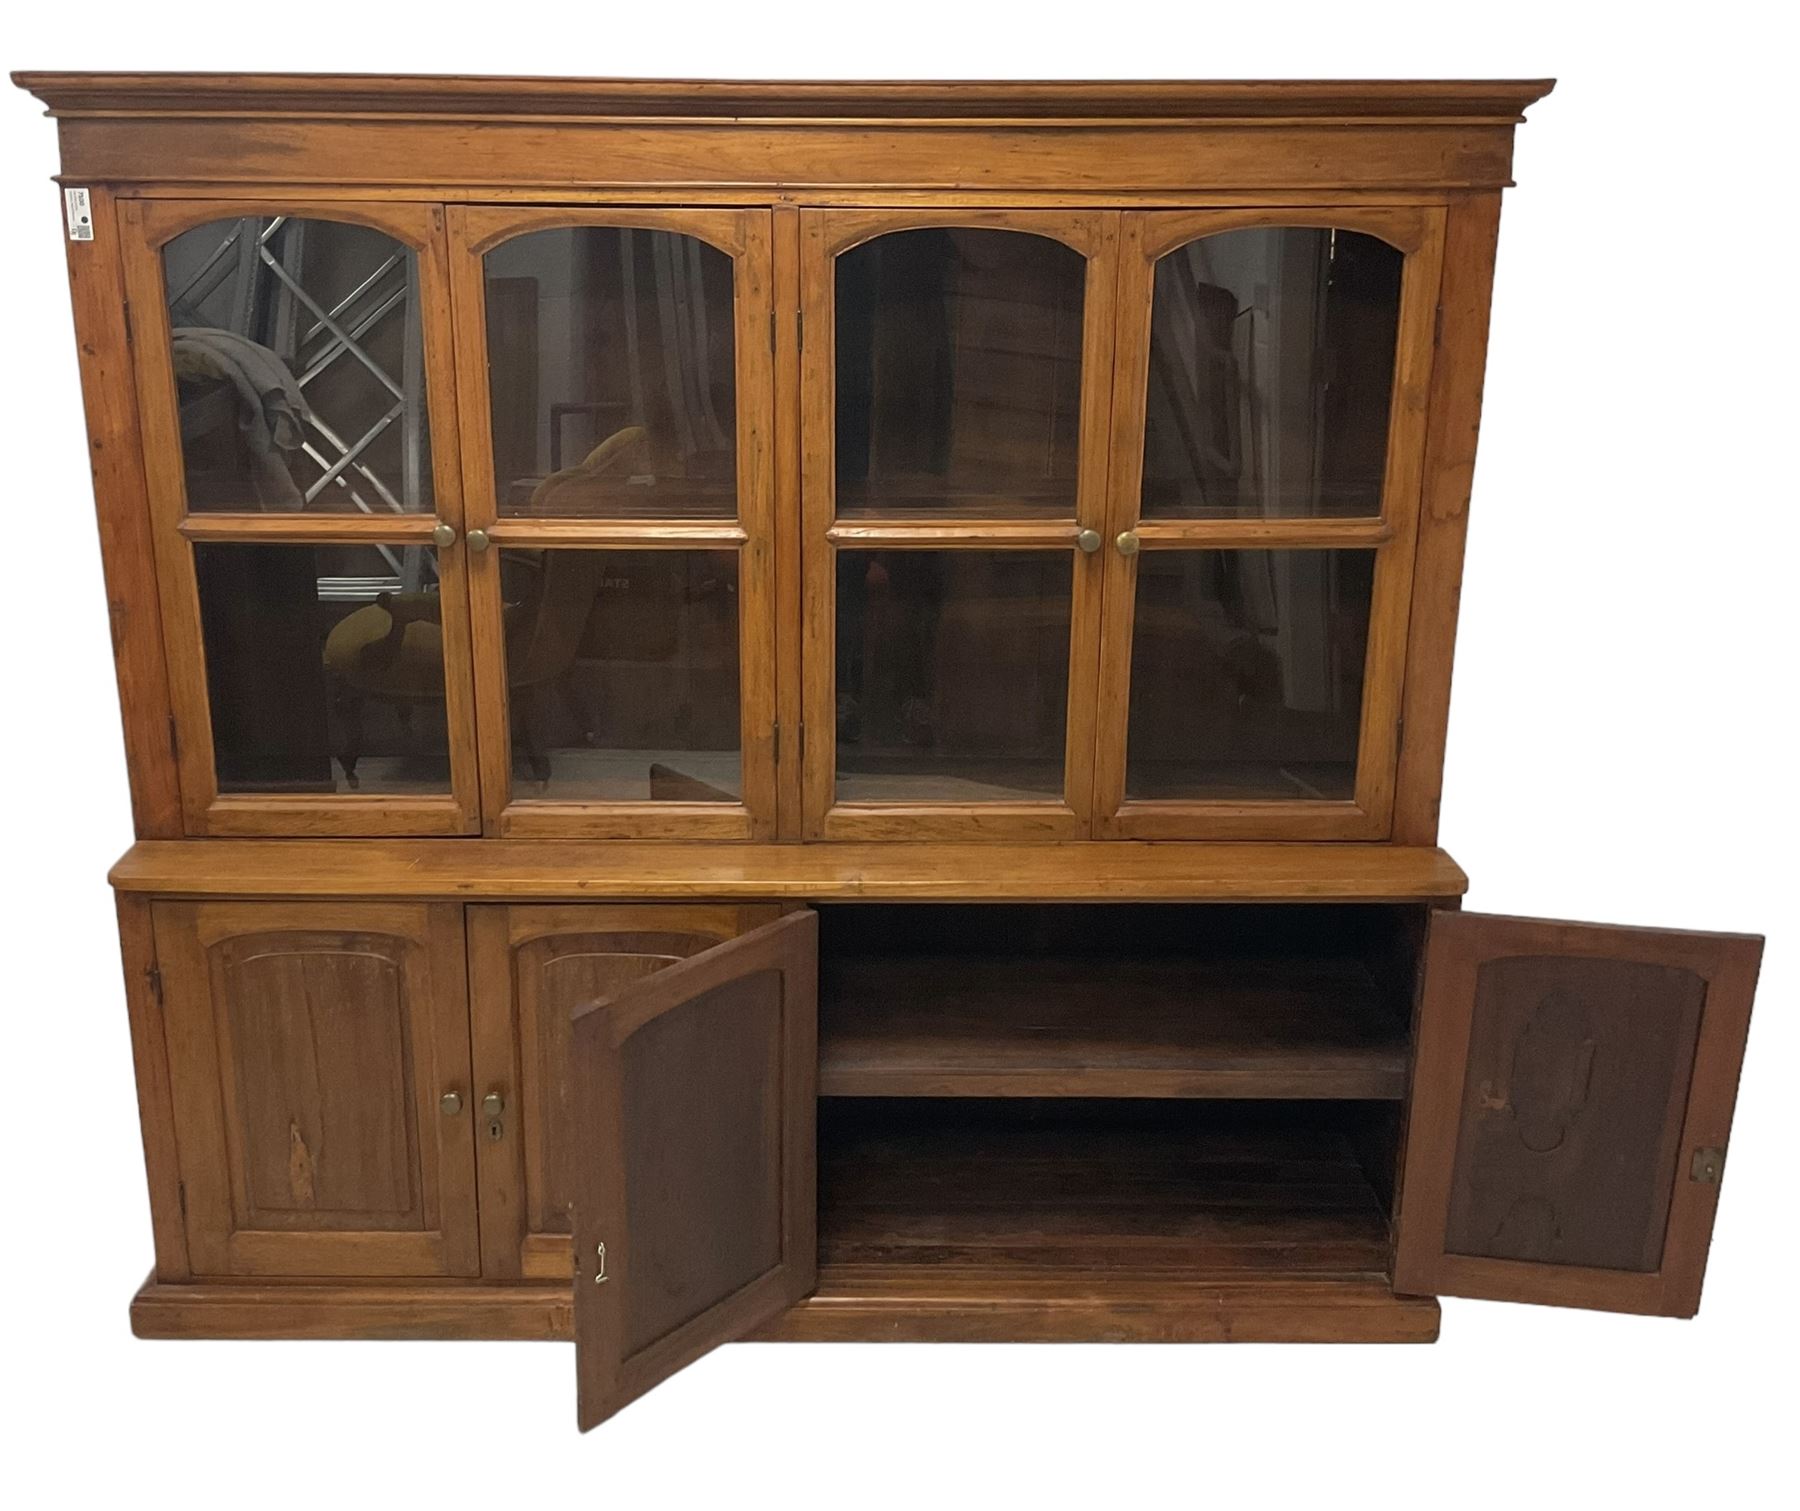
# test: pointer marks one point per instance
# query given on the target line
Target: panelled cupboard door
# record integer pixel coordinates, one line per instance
(694, 1159)
(616, 371)
(530, 968)
(956, 374)
(1268, 435)
(319, 1064)
(293, 371)
(1571, 1104)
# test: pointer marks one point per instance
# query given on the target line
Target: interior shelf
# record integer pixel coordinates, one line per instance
(1055, 1191)
(1126, 1000)
(1048, 1026)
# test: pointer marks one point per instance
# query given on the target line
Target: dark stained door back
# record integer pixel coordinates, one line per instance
(1572, 1097)
(694, 1110)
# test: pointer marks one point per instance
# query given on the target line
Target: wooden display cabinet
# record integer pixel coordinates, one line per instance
(816, 711)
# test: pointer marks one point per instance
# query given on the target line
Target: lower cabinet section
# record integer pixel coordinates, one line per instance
(1173, 1121)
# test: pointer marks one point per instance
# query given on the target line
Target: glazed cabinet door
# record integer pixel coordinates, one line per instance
(616, 379)
(1268, 440)
(694, 1159)
(956, 369)
(293, 370)
(1571, 1106)
(319, 1065)
(530, 969)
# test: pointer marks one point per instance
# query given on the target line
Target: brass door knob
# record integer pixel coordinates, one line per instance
(1089, 541)
(491, 1105)
(1127, 543)
(444, 536)
(478, 540)
(450, 1103)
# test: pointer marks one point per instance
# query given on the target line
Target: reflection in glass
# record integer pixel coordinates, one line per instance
(612, 384)
(958, 374)
(622, 675)
(1271, 365)
(323, 673)
(299, 368)
(952, 675)
(1247, 674)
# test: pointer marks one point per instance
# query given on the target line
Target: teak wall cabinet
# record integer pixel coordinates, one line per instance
(816, 711)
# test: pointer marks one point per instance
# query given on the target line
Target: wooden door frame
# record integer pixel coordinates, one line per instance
(824, 235)
(146, 227)
(1417, 231)
(1456, 948)
(435, 995)
(746, 236)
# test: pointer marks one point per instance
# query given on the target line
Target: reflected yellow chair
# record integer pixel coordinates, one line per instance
(392, 650)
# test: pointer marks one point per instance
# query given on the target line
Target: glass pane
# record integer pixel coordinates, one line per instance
(959, 374)
(299, 368)
(1247, 674)
(324, 667)
(612, 378)
(622, 675)
(1271, 365)
(952, 675)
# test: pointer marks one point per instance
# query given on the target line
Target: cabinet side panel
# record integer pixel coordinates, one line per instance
(1470, 231)
(115, 460)
(150, 1060)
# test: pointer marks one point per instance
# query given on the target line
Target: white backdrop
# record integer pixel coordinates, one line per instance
(1620, 751)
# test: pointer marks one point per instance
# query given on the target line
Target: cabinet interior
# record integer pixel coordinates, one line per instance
(1050, 1089)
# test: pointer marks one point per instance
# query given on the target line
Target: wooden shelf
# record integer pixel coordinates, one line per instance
(1042, 1027)
(1078, 1194)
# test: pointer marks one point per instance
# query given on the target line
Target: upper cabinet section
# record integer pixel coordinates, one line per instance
(636, 460)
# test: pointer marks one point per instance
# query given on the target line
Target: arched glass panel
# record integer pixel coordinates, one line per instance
(612, 376)
(299, 368)
(1271, 370)
(958, 368)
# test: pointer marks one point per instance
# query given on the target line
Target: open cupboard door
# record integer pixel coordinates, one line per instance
(1571, 1103)
(694, 1100)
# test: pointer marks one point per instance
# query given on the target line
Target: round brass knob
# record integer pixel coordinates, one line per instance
(450, 1103)
(492, 1105)
(1127, 543)
(444, 536)
(1089, 541)
(478, 540)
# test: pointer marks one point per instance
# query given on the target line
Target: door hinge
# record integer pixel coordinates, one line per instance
(174, 740)
(775, 742)
(1708, 1165)
(800, 329)
(1437, 328)
(772, 324)
(130, 334)
(181, 1198)
(1399, 735)
(78, 206)
(802, 739)
(153, 975)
